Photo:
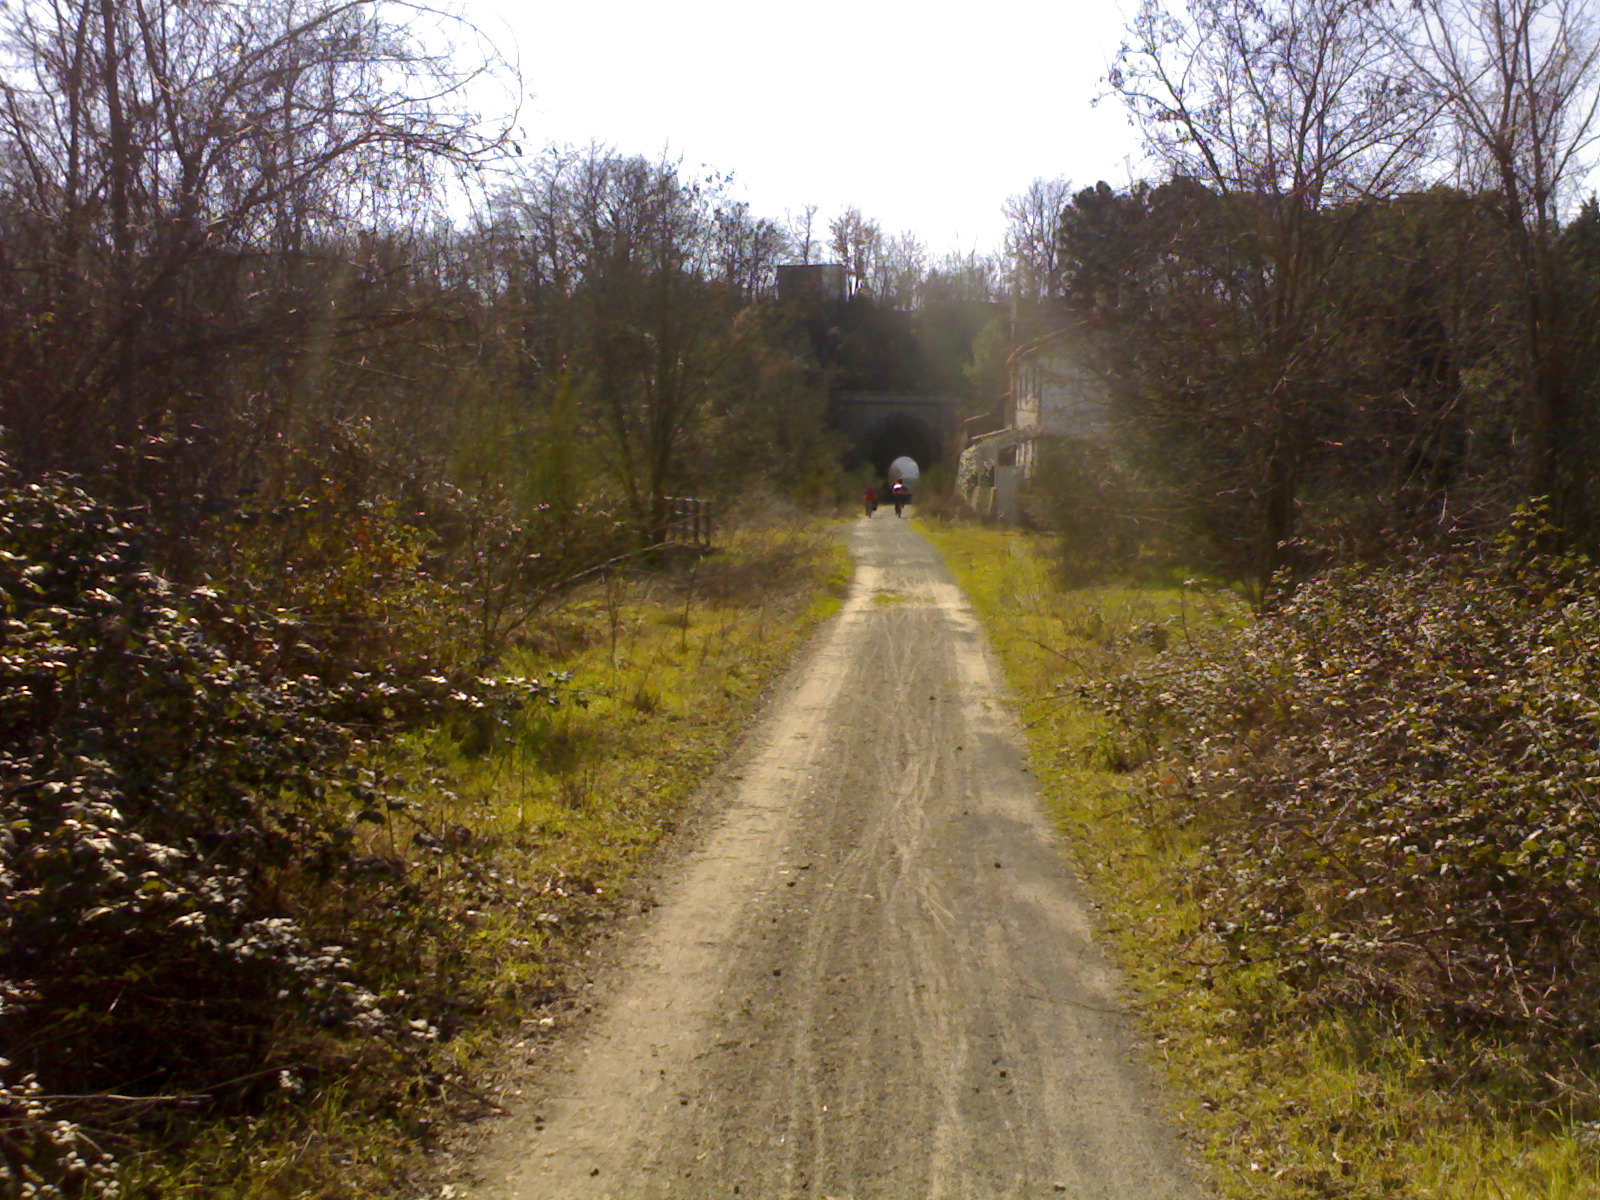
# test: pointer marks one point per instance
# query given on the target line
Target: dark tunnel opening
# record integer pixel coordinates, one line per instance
(902, 435)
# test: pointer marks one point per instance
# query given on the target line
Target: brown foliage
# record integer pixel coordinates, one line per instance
(1397, 784)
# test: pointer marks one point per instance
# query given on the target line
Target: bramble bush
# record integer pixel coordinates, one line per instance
(1395, 778)
(178, 794)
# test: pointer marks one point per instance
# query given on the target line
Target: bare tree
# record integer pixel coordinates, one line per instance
(1304, 99)
(855, 242)
(179, 167)
(1033, 237)
(897, 271)
(966, 275)
(747, 250)
(635, 284)
(1521, 81)
(1293, 110)
(802, 232)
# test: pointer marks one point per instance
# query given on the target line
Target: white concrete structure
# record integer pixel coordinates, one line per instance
(1053, 394)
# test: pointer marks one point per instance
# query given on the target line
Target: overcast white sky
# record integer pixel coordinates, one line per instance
(926, 118)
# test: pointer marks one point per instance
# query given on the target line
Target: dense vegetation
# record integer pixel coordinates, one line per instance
(1368, 392)
(1409, 423)
(190, 900)
(1348, 365)
(250, 858)
(1332, 969)
(300, 467)
(1357, 311)
(1395, 773)
(326, 414)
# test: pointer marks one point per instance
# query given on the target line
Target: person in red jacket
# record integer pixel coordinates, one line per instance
(872, 501)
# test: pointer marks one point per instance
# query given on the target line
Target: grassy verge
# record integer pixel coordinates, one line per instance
(1287, 1099)
(527, 825)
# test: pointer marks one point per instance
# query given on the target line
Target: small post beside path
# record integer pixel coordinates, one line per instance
(689, 521)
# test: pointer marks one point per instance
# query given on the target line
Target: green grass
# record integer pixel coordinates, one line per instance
(1288, 1101)
(667, 671)
(550, 812)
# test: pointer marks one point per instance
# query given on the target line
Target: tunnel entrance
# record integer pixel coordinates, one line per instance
(902, 435)
(881, 426)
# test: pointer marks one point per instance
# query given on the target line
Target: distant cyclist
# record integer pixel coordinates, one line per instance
(900, 496)
(872, 501)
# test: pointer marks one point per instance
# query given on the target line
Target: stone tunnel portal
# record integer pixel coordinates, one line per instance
(881, 427)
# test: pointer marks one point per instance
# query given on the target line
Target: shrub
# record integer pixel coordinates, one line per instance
(176, 783)
(1397, 780)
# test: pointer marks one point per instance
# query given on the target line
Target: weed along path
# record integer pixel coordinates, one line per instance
(871, 977)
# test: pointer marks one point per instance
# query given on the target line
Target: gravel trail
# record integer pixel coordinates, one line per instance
(872, 979)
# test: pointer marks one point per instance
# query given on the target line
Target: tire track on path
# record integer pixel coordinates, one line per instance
(873, 979)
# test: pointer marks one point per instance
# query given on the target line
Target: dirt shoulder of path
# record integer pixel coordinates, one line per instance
(864, 971)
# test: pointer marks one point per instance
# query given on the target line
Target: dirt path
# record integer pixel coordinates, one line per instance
(873, 977)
